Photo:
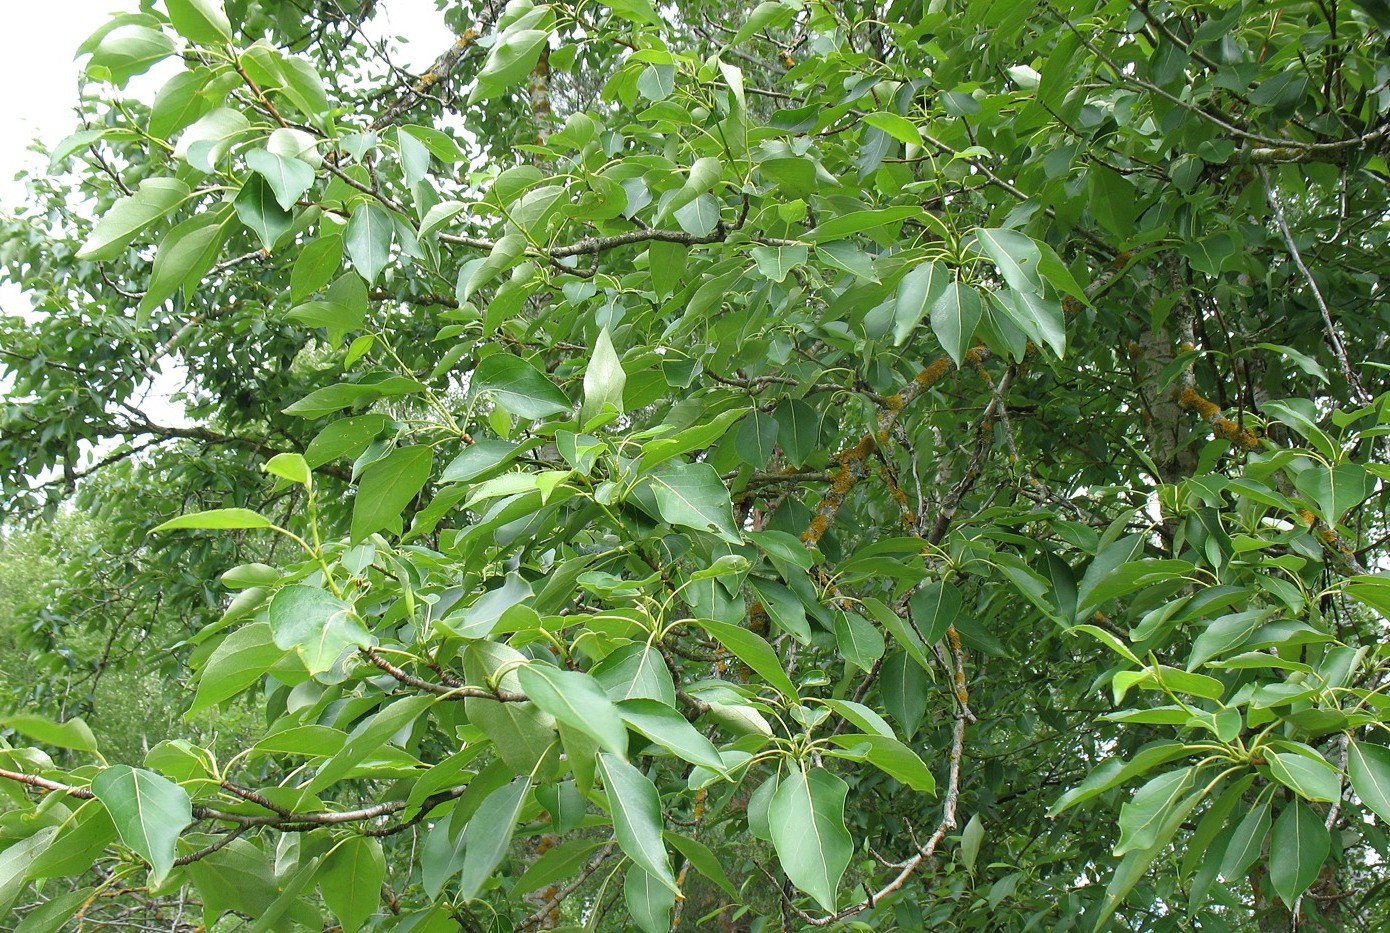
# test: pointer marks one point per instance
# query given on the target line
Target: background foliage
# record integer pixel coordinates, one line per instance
(902, 464)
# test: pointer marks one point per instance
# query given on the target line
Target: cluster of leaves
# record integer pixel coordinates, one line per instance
(820, 464)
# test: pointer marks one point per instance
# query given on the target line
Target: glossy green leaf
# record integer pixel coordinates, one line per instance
(489, 834)
(1368, 768)
(261, 212)
(203, 21)
(661, 724)
(577, 700)
(692, 495)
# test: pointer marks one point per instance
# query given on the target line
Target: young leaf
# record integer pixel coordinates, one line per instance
(604, 379)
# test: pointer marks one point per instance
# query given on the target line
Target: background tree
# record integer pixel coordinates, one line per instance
(804, 465)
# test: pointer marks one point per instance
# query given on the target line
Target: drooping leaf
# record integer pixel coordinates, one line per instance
(636, 809)
(149, 812)
(807, 821)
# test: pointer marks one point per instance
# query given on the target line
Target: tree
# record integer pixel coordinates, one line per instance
(901, 464)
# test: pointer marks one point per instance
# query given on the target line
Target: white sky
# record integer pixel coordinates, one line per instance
(40, 80)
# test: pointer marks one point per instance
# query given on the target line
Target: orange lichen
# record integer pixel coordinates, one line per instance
(1308, 517)
(1121, 260)
(953, 637)
(843, 482)
(698, 811)
(1192, 400)
(938, 368)
(858, 452)
(893, 402)
(1071, 305)
(974, 355)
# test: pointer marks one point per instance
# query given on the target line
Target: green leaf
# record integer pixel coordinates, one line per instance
(776, 262)
(1368, 767)
(1247, 842)
(350, 881)
(807, 821)
(149, 813)
(387, 487)
(935, 608)
(509, 62)
(216, 519)
(860, 642)
(241, 660)
(636, 809)
(704, 860)
(920, 290)
(692, 495)
(1336, 490)
(316, 266)
(185, 256)
(1143, 817)
(262, 214)
(288, 177)
(127, 51)
(754, 651)
(649, 901)
(16, 860)
(579, 701)
(892, 758)
(489, 834)
(369, 235)
(236, 877)
(1014, 254)
(1313, 779)
(1297, 848)
(292, 467)
(837, 228)
(333, 398)
(756, 439)
(156, 198)
(53, 915)
(73, 733)
(317, 625)
(900, 128)
(604, 379)
(517, 386)
(202, 21)
(971, 838)
(669, 729)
